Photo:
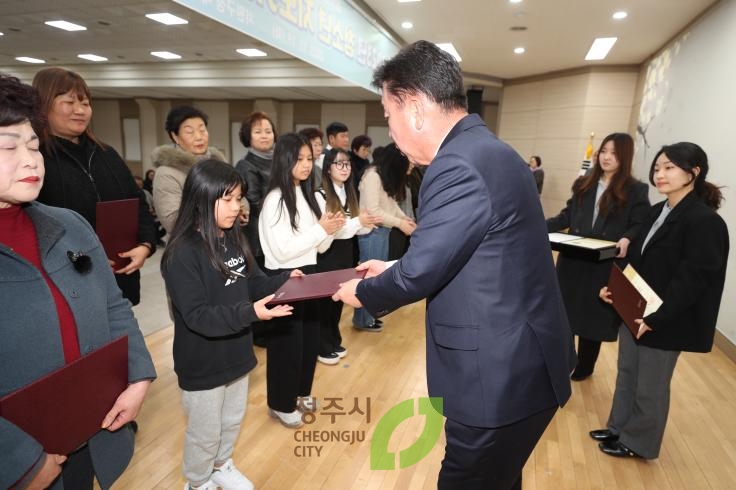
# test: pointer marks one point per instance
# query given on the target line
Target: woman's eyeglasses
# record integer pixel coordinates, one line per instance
(342, 164)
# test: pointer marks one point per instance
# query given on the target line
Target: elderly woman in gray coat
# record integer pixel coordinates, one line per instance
(55, 310)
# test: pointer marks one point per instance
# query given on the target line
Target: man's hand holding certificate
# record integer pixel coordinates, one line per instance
(346, 293)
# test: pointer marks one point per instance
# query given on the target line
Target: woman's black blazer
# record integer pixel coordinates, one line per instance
(685, 263)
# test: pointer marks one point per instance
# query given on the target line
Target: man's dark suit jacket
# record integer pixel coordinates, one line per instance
(498, 344)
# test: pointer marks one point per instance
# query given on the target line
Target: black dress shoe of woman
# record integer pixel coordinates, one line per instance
(603, 435)
(618, 449)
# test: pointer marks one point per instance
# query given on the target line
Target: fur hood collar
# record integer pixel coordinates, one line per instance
(172, 156)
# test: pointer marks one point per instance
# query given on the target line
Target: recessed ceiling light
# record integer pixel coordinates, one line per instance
(251, 52)
(167, 18)
(1, 34)
(450, 49)
(407, 25)
(600, 48)
(166, 55)
(620, 15)
(26, 59)
(515, 1)
(67, 26)
(409, 1)
(519, 50)
(91, 57)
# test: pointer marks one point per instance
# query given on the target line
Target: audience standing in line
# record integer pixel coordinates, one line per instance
(682, 253)
(187, 128)
(338, 136)
(55, 310)
(608, 204)
(293, 230)
(535, 163)
(213, 281)
(338, 195)
(258, 134)
(314, 135)
(148, 181)
(374, 197)
(82, 171)
(360, 150)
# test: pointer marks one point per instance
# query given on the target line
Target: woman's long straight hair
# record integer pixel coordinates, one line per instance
(208, 181)
(392, 166)
(332, 202)
(285, 157)
(615, 195)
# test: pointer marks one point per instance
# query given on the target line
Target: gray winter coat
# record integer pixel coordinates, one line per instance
(30, 339)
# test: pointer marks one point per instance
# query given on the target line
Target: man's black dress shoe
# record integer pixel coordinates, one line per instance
(616, 448)
(603, 435)
(378, 321)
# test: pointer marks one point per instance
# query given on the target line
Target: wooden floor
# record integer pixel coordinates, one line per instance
(699, 450)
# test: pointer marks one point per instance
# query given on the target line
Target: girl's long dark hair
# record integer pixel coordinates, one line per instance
(333, 204)
(207, 181)
(614, 197)
(687, 156)
(285, 157)
(392, 167)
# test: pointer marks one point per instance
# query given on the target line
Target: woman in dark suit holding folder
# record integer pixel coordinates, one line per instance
(681, 253)
(608, 204)
(59, 301)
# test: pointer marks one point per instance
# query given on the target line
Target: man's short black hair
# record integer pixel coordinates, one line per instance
(336, 127)
(422, 67)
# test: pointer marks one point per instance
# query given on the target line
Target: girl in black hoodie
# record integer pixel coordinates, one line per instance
(211, 278)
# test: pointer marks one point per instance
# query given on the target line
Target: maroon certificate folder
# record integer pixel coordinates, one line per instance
(313, 286)
(627, 301)
(117, 228)
(65, 408)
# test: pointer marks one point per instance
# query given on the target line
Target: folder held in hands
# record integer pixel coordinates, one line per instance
(116, 225)
(632, 297)
(314, 286)
(63, 409)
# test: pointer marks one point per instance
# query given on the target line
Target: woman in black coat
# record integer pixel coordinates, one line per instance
(681, 253)
(608, 204)
(81, 171)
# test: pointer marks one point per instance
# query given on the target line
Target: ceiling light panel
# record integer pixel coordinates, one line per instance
(166, 55)
(620, 15)
(407, 25)
(600, 48)
(251, 52)
(67, 26)
(519, 50)
(91, 57)
(409, 1)
(27, 59)
(167, 18)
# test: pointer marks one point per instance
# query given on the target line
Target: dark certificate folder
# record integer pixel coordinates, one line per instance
(313, 286)
(627, 301)
(63, 409)
(577, 247)
(117, 228)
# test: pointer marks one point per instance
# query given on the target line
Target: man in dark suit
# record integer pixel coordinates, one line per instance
(499, 350)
